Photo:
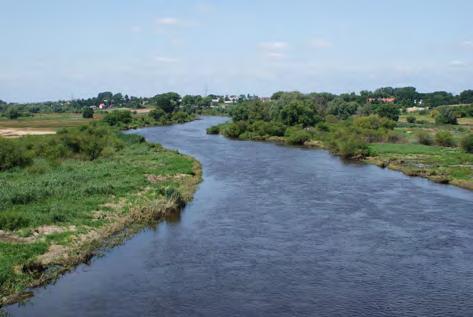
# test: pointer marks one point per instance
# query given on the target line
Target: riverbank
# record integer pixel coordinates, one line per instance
(57, 213)
(445, 165)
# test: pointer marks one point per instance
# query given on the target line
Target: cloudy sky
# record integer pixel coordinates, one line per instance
(55, 49)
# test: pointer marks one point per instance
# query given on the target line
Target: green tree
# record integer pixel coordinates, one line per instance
(388, 111)
(446, 115)
(88, 113)
(169, 102)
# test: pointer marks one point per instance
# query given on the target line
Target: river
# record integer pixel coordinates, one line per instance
(282, 231)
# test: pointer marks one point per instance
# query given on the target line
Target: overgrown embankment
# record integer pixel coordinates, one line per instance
(64, 196)
(411, 149)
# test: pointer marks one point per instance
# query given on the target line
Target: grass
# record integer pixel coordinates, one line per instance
(79, 201)
(446, 165)
(46, 121)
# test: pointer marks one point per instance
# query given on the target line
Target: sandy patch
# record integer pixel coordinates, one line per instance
(18, 132)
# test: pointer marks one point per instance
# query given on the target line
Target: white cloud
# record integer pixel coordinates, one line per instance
(271, 46)
(320, 43)
(166, 60)
(167, 21)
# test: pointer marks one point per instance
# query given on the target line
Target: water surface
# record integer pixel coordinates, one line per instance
(283, 231)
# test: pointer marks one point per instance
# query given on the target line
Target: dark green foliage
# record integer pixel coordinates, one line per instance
(444, 138)
(297, 136)
(424, 138)
(342, 109)
(118, 117)
(88, 113)
(446, 115)
(214, 129)
(347, 143)
(467, 143)
(168, 101)
(297, 112)
(233, 130)
(157, 114)
(12, 154)
(388, 111)
(180, 117)
(411, 119)
(12, 113)
(89, 141)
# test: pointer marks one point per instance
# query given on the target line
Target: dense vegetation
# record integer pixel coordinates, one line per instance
(352, 128)
(119, 180)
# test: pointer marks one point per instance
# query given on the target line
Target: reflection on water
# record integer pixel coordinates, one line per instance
(283, 231)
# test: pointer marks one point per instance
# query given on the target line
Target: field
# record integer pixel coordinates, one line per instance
(41, 124)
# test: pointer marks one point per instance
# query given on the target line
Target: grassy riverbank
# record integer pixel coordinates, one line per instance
(414, 145)
(64, 196)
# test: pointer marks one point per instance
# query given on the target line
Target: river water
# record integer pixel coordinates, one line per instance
(283, 231)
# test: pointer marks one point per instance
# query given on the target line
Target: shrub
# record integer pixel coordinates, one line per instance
(180, 117)
(352, 147)
(233, 130)
(424, 137)
(214, 129)
(118, 117)
(388, 111)
(12, 154)
(297, 136)
(173, 194)
(157, 114)
(467, 143)
(446, 115)
(411, 119)
(89, 141)
(444, 138)
(374, 122)
(88, 113)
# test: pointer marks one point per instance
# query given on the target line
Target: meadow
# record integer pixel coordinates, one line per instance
(63, 196)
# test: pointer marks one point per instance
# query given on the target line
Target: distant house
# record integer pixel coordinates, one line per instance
(102, 106)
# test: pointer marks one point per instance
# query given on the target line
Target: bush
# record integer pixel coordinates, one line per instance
(411, 119)
(12, 154)
(467, 143)
(425, 138)
(444, 138)
(446, 115)
(297, 136)
(374, 122)
(180, 117)
(388, 111)
(352, 147)
(88, 113)
(214, 129)
(233, 130)
(118, 117)
(89, 141)
(157, 114)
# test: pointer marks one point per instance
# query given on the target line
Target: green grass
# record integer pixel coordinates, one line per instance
(447, 163)
(46, 121)
(69, 193)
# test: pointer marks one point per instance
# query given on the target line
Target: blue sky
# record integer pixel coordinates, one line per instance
(55, 49)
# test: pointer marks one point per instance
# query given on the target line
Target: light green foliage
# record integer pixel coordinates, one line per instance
(467, 143)
(446, 115)
(424, 137)
(444, 138)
